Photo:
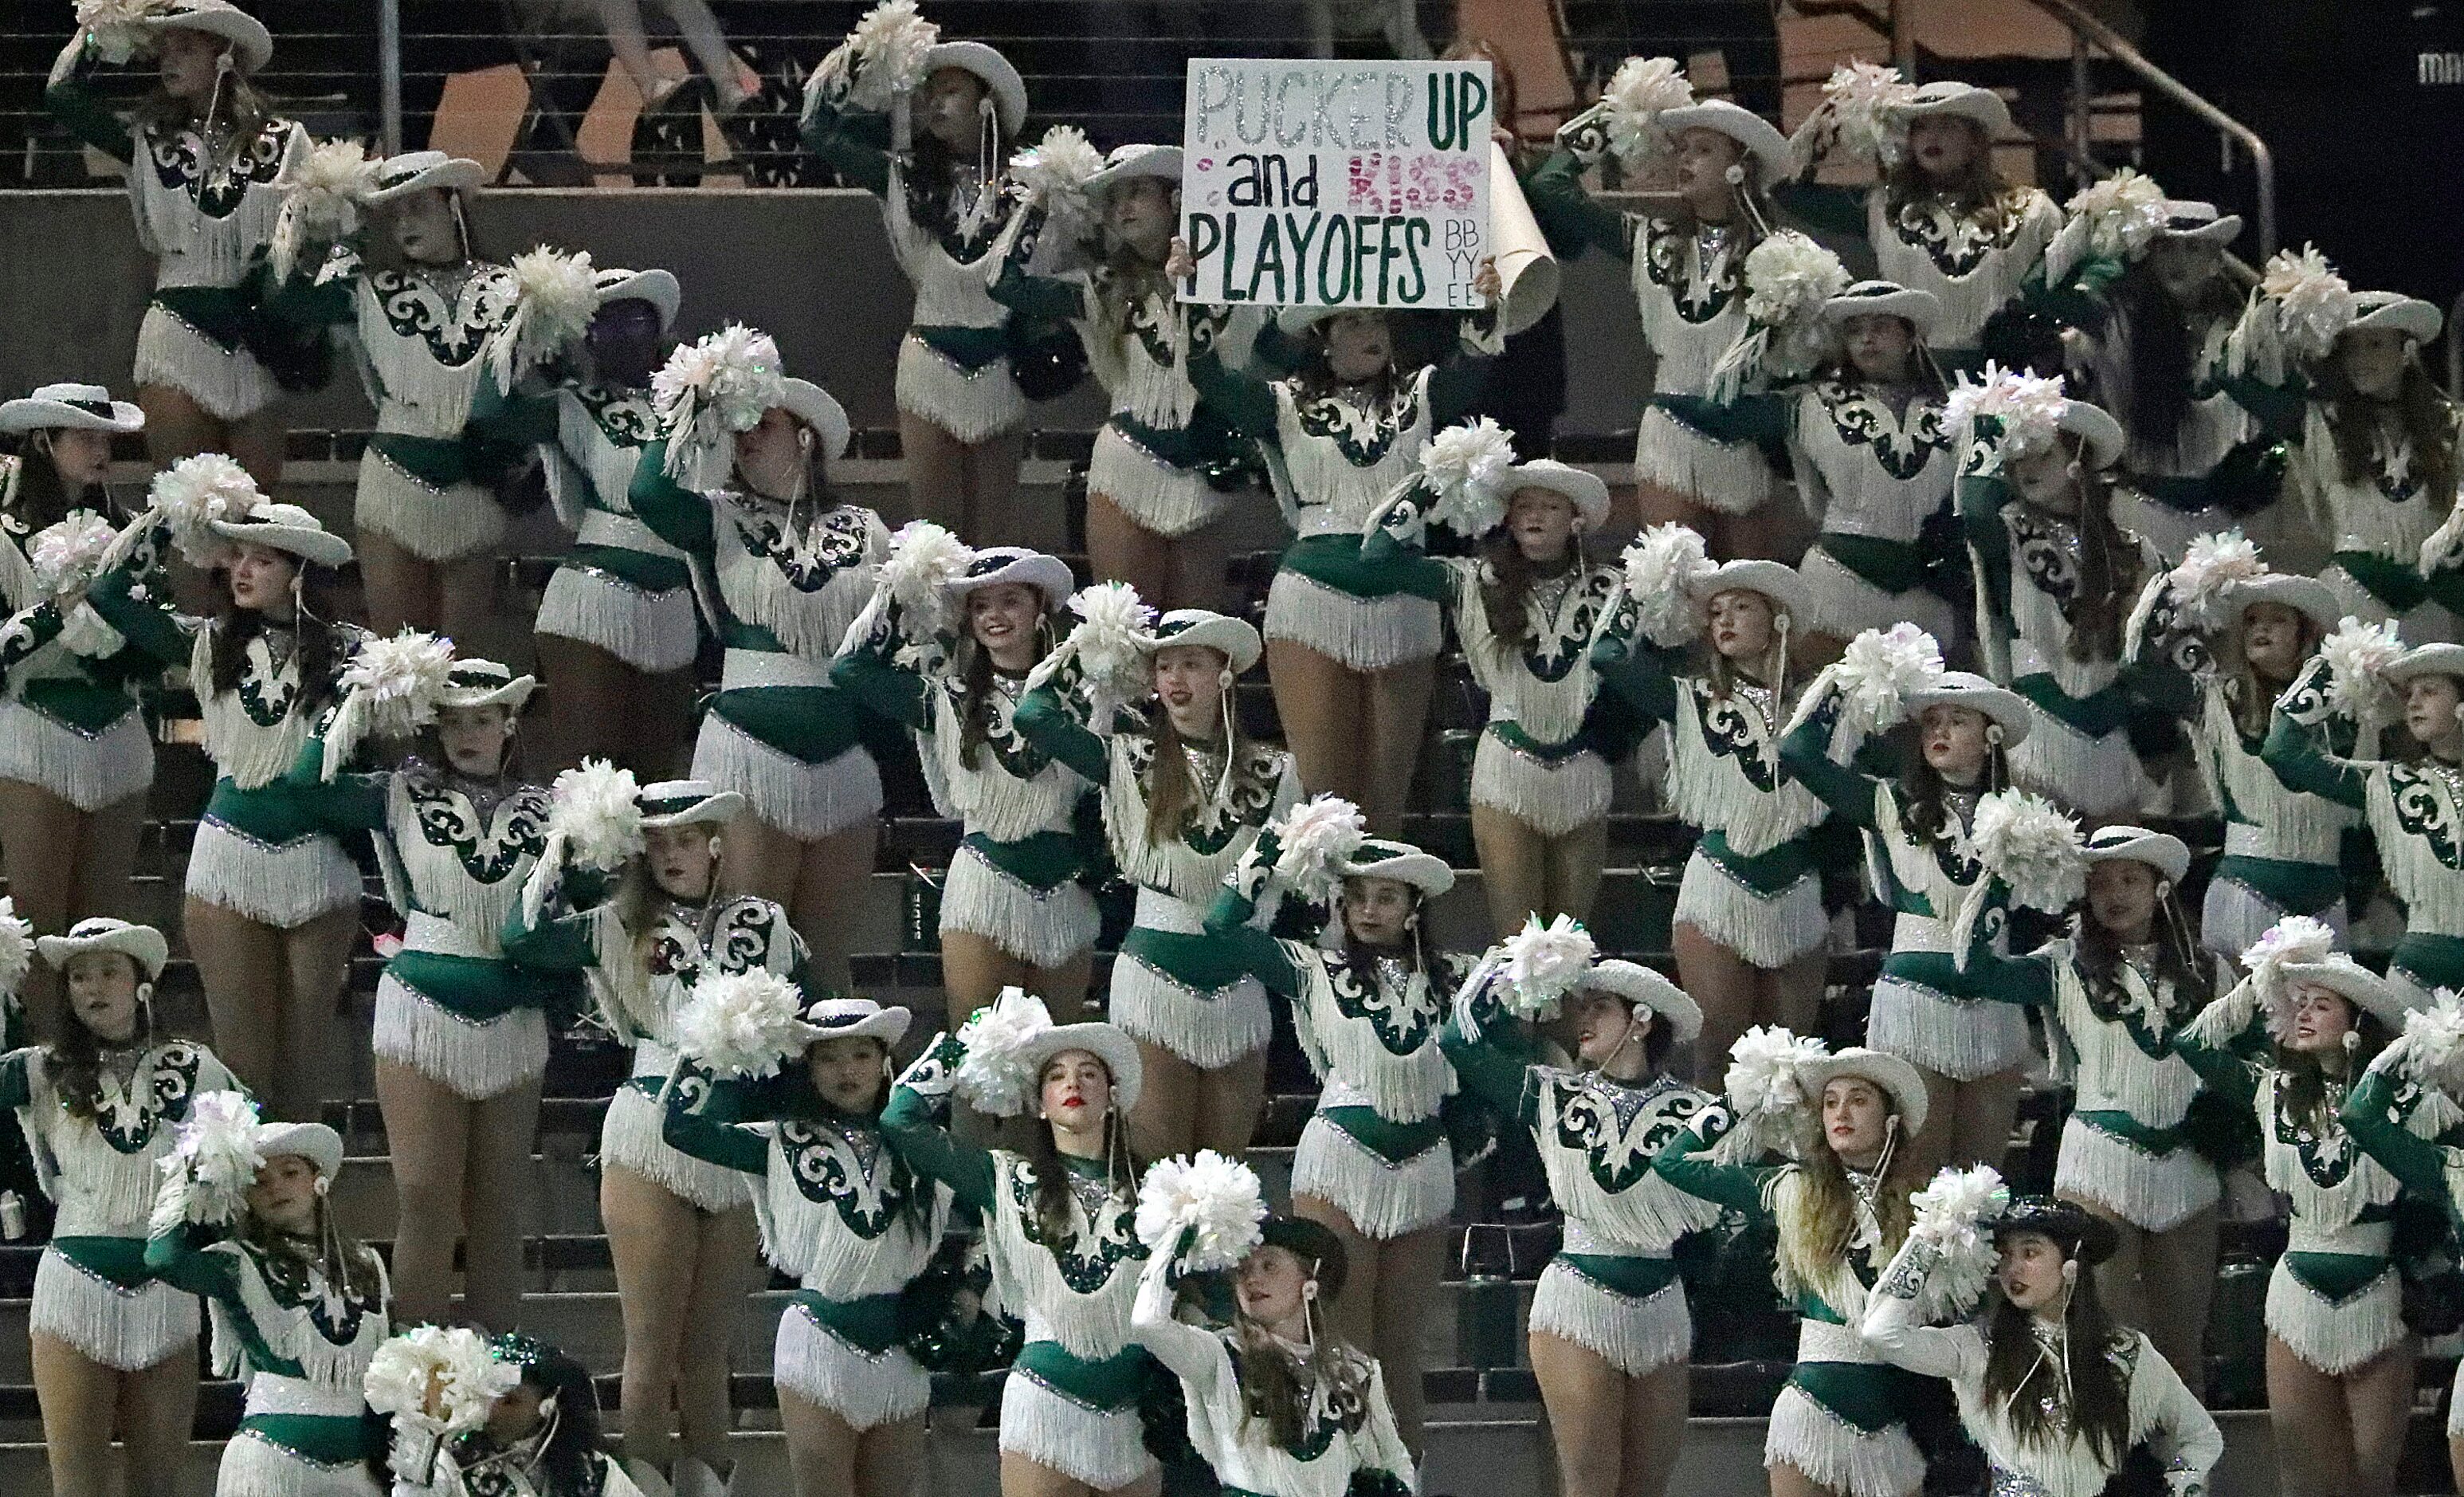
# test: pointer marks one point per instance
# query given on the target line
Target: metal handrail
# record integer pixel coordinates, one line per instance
(2455, 347)
(2087, 28)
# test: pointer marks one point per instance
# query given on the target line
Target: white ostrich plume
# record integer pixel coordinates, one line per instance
(744, 1024)
(1214, 1201)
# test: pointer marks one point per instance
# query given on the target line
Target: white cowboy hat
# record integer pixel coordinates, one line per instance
(1637, 984)
(1294, 321)
(2426, 660)
(994, 566)
(817, 408)
(314, 1142)
(1377, 857)
(143, 943)
(2188, 218)
(1001, 82)
(252, 44)
(1585, 489)
(484, 683)
(285, 527)
(1237, 638)
(2101, 437)
(84, 407)
(2162, 851)
(2354, 982)
(1118, 1052)
(2307, 596)
(1949, 96)
(1779, 585)
(1764, 144)
(2411, 315)
(1967, 688)
(657, 287)
(1898, 1079)
(1921, 310)
(1129, 163)
(857, 1018)
(687, 802)
(400, 176)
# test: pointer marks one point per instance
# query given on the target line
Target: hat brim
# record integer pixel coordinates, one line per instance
(2061, 1220)
(1588, 491)
(2307, 596)
(1329, 1264)
(986, 63)
(314, 1142)
(2417, 320)
(1921, 310)
(1999, 704)
(1294, 321)
(2357, 984)
(458, 174)
(819, 410)
(1048, 575)
(32, 413)
(1118, 1052)
(1162, 163)
(715, 809)
(1761, 139)
(1778, 583)
(657, 287)
(2101, 437)
(890, 1026)
(251, 42)
(143, 944)
(2162, 851)
(1983, 106)
(317, 547)
(512, 695)
(2426, 660)
(1894, 1075)
(2221, 231)
(1236, 639)
(1421, 870)
(1637, 983)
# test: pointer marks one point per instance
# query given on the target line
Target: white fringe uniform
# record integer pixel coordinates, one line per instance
(2282, 847)
(1375, 1148)
(2385, 516)
(70, 723)
(970, 401)
(18, 588)
(1339, 1446)
(1689, 288)
(1871, 477)
(622, 589)
(1528, 763)
(2122, 1148)
(1925, 1010)
(258, 851)
(91, 1289)
(1972, 267)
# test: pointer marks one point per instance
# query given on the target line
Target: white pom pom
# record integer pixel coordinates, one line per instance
(2435, 1037)
(2357, 655)
(995, 1076)
(595, 808)
(212, 1163)
(714, 387)
(2312, 304)
(556, 296)
(1112, 637)
(1214, 1199)
(1318, 836)
(115, 26)
(1543, 962)
(1772, 1109)
(2028, 407)
(2033, 846)
(1052, 174)
(1660, 568)
(1467, 467)
(743, 1023)
(1790, 276)
(1949, 1214)
(67, 553)
(2296, 940)
(2211, 565)
(1861, 97)
(1880, 670)
(2122, 212)
(473, 1379)
(405, 1376)
(328, 187)
(399, 680)
(888, 46)
(1640, 88)
(924, 558)
(17, 946)
(193, 492)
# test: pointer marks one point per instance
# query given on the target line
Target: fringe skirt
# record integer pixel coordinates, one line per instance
(1044, 927)
(1104, 1448)
(970, 404)
(2333, 1338)
(1384, 1201)
(1962, 1039)
(2236, 915)
(2425, 622)
(283, 884)
(1360, 633)
(631, 1137)
(1169, 500)
(2095, 777)
(1835, 1454)
(1769, 931)
(654, 631)
(227, 383)
(123, 1329)
(1552, 798)
(1732, 478)
(472, 1058)
(89, 771)
(807, 801)
(1635, 1337)
(864, 1388)
(1844, 605)
(2153, 1192)
(1209, 1030)
(433, 524)
(255, 1466)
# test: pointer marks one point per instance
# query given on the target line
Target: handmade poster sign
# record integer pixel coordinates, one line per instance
(1336, 183)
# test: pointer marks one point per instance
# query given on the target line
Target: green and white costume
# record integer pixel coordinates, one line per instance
(2336, 1298)
(790, 579)
(1018, 877)
(641, 982)
(1533, 761)
(300, 1344)
(1974, 259)
(1842, 1417)
(2375, 525)
(2424, 1168)
(1871, 476)
(1613, 1286)
(1750, 883)
(2416, 814)
(1347, 1450)
(840, 1212)
(1071, 1400)
(91, 1287)
(1338, 454)
(1174, 984)
(205, 218)
(418, 335)
(455, 856)
(70, 721)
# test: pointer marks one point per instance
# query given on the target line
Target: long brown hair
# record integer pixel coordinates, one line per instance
(1051, 1209)
(2304, 1090)
(2108, 568)
(75, 1059)
(2166, 336)
(320, 647)
(1275, 1383)
(1924, 796)
(41, 500)
(2097, 952)
(1813, 1247)
(2253, 700)
(1978, 191)
(2427, 417)
(1172, 791)
(237, 103)
(2099, 1392)
(975, 684)
(288, 1257)
(1507, 578)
